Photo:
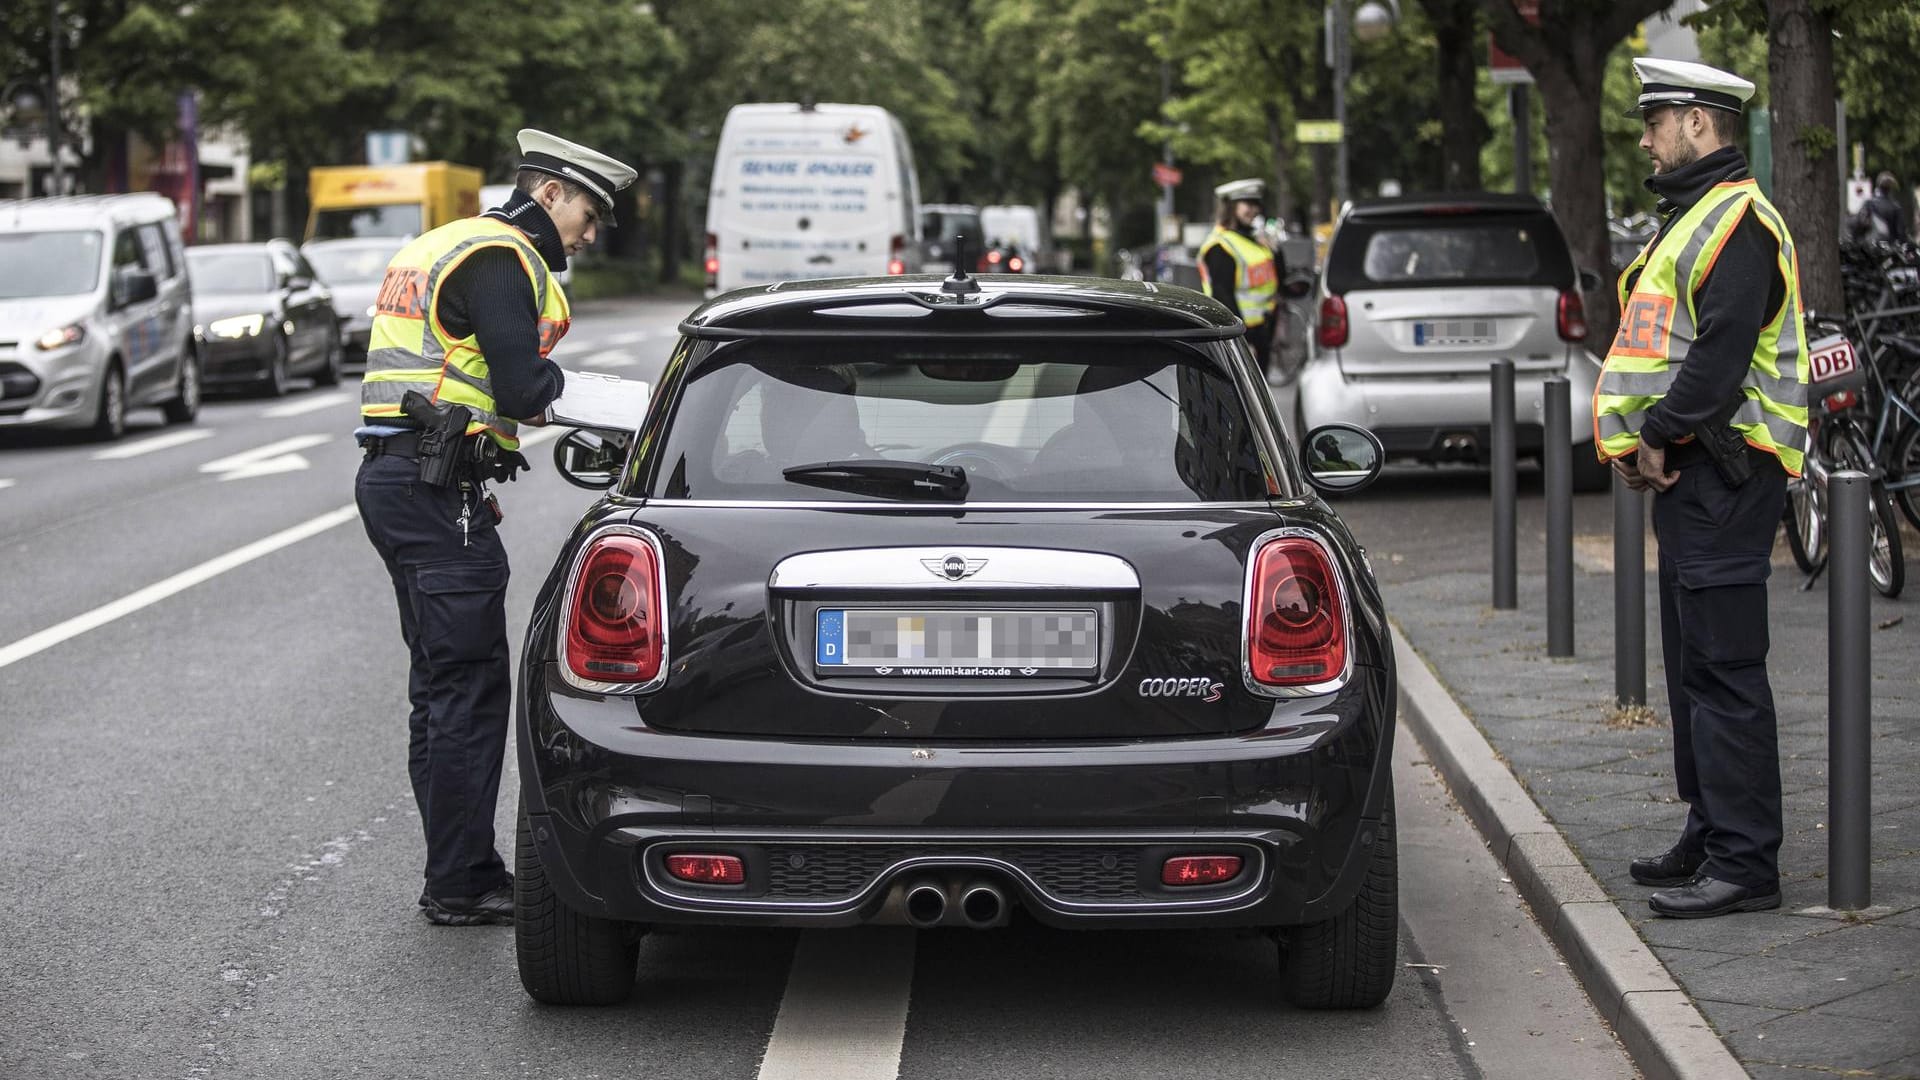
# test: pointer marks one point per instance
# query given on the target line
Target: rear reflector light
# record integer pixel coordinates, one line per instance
(1200, 870)
(713, 259)
(1296, 634)
(613, 622)
(1572, 317)
(1840, 399)
(707, 869)
(897, 256)
(1333, 323)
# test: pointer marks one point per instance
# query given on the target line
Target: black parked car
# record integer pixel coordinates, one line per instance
(928, 603)
(263, 316)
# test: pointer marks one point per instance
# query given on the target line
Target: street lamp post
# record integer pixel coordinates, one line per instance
(1371, 21)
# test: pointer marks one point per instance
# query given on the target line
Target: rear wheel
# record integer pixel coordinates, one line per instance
(1348, 961)
(566, 958)
(1806, 524)
(110, 415)
(1906, 466)
(185, 403)
(278, 377)
(1886, 562)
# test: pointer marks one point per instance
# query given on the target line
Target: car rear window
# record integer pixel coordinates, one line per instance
(1428, 251)
(1049, 421)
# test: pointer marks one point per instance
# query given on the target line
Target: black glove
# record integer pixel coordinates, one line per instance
(507, 464)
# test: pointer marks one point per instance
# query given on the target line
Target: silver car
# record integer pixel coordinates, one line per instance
(95, 313)
(1418, 297)
(353, 270)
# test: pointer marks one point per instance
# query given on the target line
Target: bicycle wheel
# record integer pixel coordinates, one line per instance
(1904, 464)
(1806, 524)
(1886, 562)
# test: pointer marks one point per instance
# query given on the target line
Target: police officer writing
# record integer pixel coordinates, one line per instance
(1703, 399)
(466, 317)
(1238, 269)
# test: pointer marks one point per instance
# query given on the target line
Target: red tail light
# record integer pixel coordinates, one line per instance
(713, 260)
(1333, 323)
(1200, 870)
(613, 631)
(1841, 399)
(993, 258)
(1296, 633)
(897, 256)
(1015, 265)
(1572, 316)
(707, 869)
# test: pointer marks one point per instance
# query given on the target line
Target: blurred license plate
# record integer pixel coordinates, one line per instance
(956, 644)
(1454, 332)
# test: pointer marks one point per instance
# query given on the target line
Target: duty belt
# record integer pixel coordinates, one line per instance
(474, 449)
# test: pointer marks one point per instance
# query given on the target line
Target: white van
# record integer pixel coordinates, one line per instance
(1019, 226)
(811, 191)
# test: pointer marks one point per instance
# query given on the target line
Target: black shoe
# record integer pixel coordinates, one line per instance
(488, 909)
(423, 891)
(1705, 897)
(1671, 867)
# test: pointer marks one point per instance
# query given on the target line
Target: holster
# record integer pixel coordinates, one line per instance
(443, 451)
(1725, 447)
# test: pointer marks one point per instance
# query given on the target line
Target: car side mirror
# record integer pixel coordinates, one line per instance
(132, 284)
(1341, 458)
(297, 283)
(1591, 282)
(590, 459)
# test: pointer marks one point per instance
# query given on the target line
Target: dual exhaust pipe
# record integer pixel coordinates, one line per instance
(978, 904)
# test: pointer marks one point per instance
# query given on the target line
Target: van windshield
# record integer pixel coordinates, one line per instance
(345, 223)
(49, 263)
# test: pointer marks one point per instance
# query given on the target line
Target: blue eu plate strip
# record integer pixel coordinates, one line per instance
(830, 638)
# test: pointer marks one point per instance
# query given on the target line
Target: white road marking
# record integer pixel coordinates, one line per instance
(158, 442)
(633, 337)
(7, 483)
(307, 405)
(844, 1016)
(609, 358)
(265, 460)
(160, 590)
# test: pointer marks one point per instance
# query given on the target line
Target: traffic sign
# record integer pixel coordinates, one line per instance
(1165, 175)
(1317, 131)
(388, 147)
(1502, 66)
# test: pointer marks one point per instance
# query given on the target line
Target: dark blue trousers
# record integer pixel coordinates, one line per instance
(1715, 543)
(452, 590)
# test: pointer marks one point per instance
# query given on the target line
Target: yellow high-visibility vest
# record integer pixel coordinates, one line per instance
(410, 350)
(1658, 323)
(1256, 282)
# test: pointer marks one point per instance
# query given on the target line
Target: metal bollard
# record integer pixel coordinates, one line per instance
(1557, 461)
(1849, 702)
(1629, 594)
(1505, 575)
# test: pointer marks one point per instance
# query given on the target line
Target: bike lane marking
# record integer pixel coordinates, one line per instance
(844, 1015)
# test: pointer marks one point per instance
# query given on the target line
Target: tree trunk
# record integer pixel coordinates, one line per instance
(1576, 171)
(671, 232)
(1806, 178)
(1279, 149)
(1463, 131)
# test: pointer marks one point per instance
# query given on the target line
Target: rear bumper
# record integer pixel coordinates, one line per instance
(832, 832)
(1442, 417)
(237, 361)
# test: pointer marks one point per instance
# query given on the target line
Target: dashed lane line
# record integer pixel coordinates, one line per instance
(844, 1016)
(610, 358)
(306, 405)
(632, 337)
(7, 484)
(158, 442)
(160, 590)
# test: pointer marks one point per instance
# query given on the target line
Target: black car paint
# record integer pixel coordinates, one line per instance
(737, 752)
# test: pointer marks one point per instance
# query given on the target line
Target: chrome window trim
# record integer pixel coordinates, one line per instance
(593, 686)
(902, 568)
(948, 507)
(1255, 686)
(668, 896)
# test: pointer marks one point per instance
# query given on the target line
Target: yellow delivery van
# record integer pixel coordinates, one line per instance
(389, 200)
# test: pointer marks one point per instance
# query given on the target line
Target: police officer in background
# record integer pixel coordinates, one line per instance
(1703, 399)
(1238, 269)
(466, 317)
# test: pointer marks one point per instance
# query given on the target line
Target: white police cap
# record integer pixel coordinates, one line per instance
(1233, 190)
(1682, 82)
(594, 171)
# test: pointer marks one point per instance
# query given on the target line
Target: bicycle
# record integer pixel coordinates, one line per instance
(1836, 440)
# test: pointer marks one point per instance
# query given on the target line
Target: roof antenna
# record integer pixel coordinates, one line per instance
(960, 284)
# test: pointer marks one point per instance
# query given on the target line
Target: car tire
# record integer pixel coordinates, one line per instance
(110, 415)
(1589, 472)
(329, 373)
(1349, 961)
(566, 958)
(278, 378)
(185, 403)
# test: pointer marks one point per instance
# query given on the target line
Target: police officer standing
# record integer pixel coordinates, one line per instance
(465, 319)
(1238, 269)
(1703, 399)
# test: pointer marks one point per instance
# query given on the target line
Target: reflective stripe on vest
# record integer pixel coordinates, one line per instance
(1256, 283)
(1658, 324)
(409, 349)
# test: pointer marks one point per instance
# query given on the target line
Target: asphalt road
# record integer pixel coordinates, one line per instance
(211, 850)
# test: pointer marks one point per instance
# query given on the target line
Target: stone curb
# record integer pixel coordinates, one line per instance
(1657, 1023)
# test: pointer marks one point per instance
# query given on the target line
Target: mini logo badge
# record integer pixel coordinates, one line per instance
(883, 671)
(955, 567)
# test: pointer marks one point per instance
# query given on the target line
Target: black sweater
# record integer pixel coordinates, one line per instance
(1741, 293)
(490, 297)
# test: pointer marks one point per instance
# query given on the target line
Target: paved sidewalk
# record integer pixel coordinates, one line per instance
(1803, 991)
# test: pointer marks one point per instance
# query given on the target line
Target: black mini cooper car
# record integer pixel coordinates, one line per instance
(933, 603)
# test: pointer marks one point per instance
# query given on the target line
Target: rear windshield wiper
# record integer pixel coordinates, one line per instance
(881, 477)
